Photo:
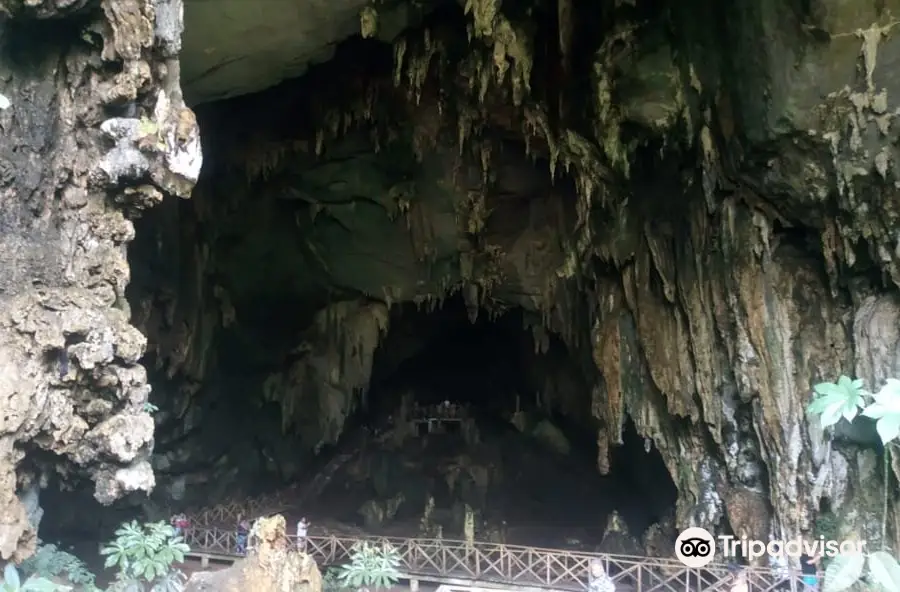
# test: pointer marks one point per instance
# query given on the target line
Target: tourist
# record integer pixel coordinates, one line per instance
(598, 580)
(180, 523)
(809, 566)
(243, 533)
(302, 530)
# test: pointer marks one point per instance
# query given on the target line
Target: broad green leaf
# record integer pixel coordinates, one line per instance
(889, 396)
(827, 388)
(844, 571)
(875, 411)
(846, 384)
(832, 414)
(892, 385)
(888, 427)
(39, 585)
(825, 399)
(849, 411)
(816, 406)
(11, 576)
(885, 570)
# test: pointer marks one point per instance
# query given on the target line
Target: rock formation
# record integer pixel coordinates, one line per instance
(273, 565)
(693, 205)
(95, 131)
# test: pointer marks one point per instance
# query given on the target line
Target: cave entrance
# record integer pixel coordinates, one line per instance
(475, 417)
(253, 395)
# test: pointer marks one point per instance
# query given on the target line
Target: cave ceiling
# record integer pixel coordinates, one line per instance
(235, 47)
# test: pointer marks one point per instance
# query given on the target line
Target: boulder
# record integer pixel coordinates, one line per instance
(273, 565)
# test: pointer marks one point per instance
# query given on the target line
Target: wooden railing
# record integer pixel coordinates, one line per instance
(513, 565)
(228, 513)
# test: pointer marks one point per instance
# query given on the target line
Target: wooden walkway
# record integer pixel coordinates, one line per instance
(485, 565)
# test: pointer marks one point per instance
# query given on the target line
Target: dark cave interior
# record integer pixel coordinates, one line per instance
(543, 484)
(544, 458)
(226, 285)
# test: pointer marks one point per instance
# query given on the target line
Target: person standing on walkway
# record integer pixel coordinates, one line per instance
(243, 532)
(302, 530)
(809, 566)
(598, 579)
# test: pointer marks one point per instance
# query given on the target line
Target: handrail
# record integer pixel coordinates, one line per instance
(229, 512)
(516, 564)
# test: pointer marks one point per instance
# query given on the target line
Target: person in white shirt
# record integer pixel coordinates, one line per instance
(302, 530)
(598, 580)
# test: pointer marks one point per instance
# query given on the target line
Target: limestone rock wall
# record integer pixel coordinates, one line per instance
(95, 130)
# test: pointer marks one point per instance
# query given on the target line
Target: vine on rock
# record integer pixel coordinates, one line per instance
(846, 399)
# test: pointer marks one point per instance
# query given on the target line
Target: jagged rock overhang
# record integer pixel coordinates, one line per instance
(73, 160)
(235, 47)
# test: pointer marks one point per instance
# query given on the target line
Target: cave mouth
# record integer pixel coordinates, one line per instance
(462, 413)
(283, 345)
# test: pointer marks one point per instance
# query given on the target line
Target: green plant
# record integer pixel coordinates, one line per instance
(150, 408)
(371, 566)
(13, 583)
(331, 580)
(844, 400)
(50, 562)
(144, 556)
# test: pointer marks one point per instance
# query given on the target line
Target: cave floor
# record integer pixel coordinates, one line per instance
(545, 498)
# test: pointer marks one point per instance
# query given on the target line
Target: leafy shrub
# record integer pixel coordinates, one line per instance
(331, 581)
(844, 400)
(50, 562)
(371, 566)
(13, 583)
(144, 556)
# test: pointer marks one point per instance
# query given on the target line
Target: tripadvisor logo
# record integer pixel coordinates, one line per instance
(696, 547)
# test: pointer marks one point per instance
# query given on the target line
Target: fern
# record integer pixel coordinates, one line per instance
(50, 562)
